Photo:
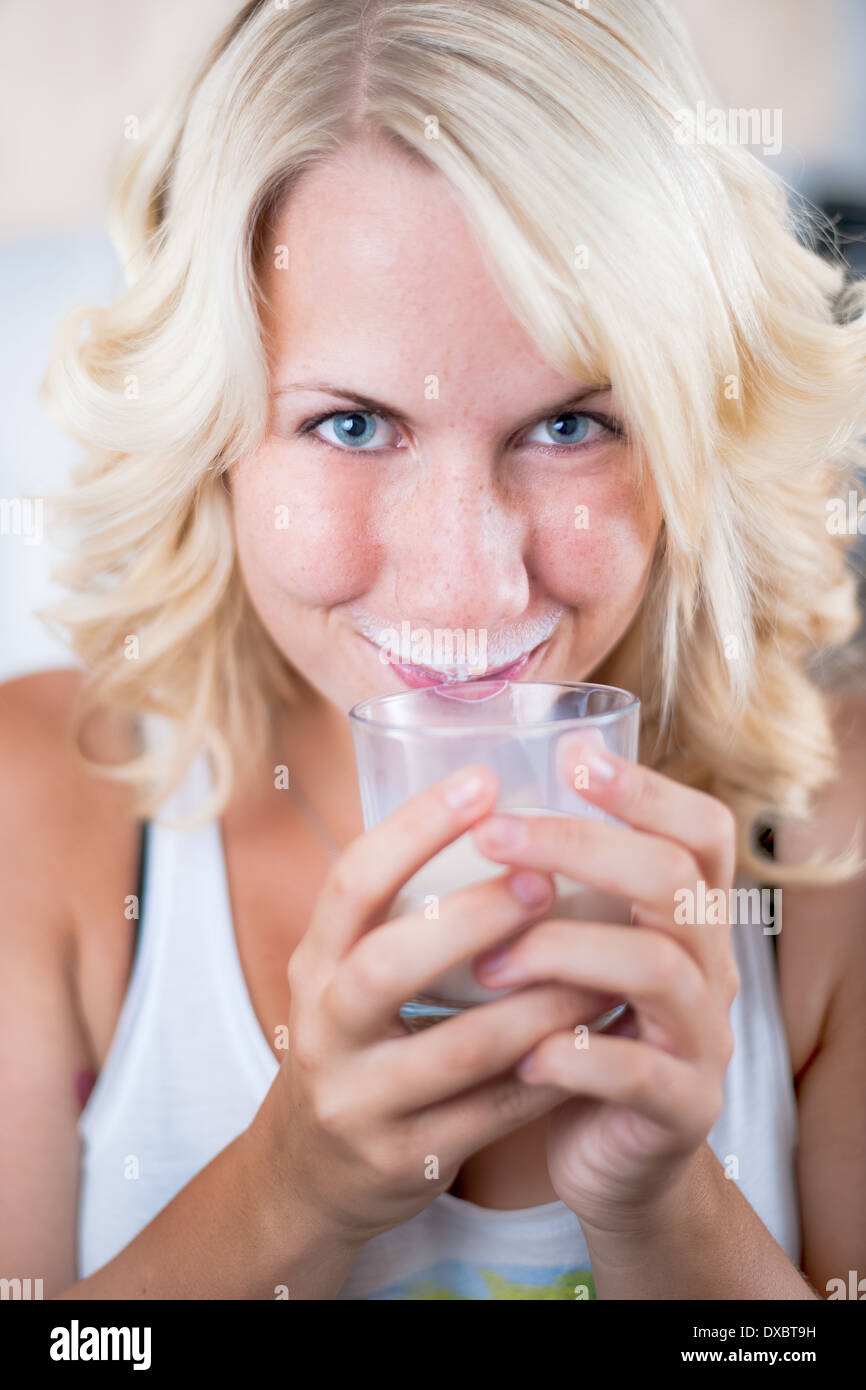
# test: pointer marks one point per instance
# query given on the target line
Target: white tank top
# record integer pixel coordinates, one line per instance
(189, 1066)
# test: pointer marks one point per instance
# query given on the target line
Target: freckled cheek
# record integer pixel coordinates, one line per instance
(304, 536)
(605, 555)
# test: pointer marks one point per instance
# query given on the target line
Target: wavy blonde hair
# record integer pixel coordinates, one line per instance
(676, 271)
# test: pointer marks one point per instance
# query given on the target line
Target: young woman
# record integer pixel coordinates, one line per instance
(442, 314)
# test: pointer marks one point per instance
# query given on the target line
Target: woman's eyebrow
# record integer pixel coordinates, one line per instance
(382, 408)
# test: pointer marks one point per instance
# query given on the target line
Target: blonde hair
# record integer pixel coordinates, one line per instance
(670, 268)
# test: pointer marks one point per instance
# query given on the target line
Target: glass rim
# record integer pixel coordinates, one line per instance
(361, 719)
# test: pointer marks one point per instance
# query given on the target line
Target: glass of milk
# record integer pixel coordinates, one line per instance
(521, 730)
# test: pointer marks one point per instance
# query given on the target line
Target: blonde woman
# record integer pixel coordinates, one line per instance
(441, 313)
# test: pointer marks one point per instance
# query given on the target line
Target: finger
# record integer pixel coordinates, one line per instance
(456, 1128)
(369, 873)
(649, 801)
(475, 1046)
(667, 989)
(625, 1071)
(643, 869)
(650, 872)
(399, 959)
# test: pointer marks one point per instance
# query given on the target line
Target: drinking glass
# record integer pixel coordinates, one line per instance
(520, 729)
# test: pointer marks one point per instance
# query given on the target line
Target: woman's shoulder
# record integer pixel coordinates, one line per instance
(838, 806)
(44, 774)
(848, 710)
(821, 944)
(68, 840)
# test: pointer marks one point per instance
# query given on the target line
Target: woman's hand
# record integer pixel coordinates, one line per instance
(366, 1123)
(642, 1097)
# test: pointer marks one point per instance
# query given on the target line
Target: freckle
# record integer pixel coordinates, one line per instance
(85, 1080)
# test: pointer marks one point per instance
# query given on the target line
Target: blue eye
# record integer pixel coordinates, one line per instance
(351, 428)
(570, 428)
(354, 431)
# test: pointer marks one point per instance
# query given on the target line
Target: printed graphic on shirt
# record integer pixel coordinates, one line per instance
(457, 1279)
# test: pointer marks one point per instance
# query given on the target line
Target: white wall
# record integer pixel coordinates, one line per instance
(69, 76)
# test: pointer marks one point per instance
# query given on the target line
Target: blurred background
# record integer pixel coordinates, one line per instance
(71, 76)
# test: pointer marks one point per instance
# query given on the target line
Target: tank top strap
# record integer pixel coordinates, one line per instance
(188, 797)
(155, 731)
(765, 840)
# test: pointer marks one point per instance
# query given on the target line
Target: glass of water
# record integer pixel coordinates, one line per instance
(521, 729)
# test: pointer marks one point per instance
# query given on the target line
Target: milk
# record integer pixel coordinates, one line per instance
(458, 866)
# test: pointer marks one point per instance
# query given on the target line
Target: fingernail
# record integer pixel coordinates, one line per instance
(530, 887)
(597, 764)
(526, 1066)
(503, 832)
(492, 963)
(464, 790)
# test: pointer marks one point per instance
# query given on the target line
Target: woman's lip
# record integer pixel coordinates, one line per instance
(418, 676)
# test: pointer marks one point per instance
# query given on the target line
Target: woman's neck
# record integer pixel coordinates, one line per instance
(313, 740)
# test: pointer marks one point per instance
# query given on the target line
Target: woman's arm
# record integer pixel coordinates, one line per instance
(705, 1241)
(822, 983)
(659, 1216)
(229, 1233)
(43, 1041)
(701, 1244)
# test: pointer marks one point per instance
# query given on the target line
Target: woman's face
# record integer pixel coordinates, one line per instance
(433, 496)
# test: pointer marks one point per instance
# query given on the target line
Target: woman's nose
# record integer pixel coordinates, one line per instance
(457, 548)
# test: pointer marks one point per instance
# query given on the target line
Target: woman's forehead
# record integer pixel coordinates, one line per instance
(374, 281)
